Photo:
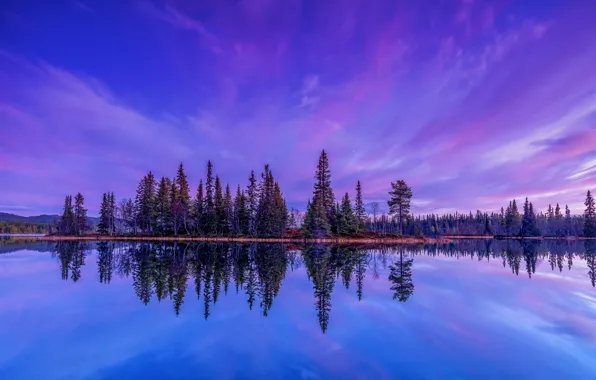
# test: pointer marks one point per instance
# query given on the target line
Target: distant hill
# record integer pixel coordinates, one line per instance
(38, 219)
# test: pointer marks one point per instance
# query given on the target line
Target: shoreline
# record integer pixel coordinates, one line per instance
(337, 240)
(341, 240)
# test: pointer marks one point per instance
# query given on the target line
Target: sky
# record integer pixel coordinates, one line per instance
(471, 102)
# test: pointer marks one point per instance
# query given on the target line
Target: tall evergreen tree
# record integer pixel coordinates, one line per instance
(529, 227)
(183, 192)
(252, 203)
(219, 207)
(228, 211)
(163, 206)
(145, 203)
(399, 203)
(359, 211)
(67, 221)
(567, 221)
(240, 213)
(112, 212)
(80, 214)
(210, 221)
(104, 216)
(590, 216)
(346, 221)
(322, 205)
(199, 209)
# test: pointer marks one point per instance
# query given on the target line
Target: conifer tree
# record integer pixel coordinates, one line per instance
(240, 213)
(210, 221)
(80, 214)
(199, 209)
(228, 211)
(529, 227)
(112, 213)
(175, 207)
(67, 221)
(348, 222)
(399, 203)
(219, 207)
(252, 203)
(359, 211)
(145, 203)
(590, 216)
(567, 221)
(163, 207)
(183, 197)
(322, 205)
(104, 216)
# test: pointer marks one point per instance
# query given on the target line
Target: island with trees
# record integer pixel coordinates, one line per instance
(166, 208)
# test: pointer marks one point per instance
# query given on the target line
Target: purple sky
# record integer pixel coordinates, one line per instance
(471, 102)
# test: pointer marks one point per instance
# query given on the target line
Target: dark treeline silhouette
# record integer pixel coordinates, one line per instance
(166, 207)
(23, 228)
(161, 270)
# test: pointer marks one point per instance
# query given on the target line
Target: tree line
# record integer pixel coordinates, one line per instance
(23, 228)
(166, 207)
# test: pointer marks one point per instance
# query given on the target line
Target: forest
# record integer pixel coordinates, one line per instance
(166, 207)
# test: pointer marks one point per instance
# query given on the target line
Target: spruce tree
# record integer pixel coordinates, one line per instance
(359, 211)
(80, 214)
(183, 193)
(228, 211)
(322, 213)
(162, 209)
(145, 203)
(67, 221)
(199, 209)
(210, 221)
(175, 207)
(241, 213)
(567, 221)
(590, 216)
(112, 212)
(399, 203)
(219, 208)
(104, 217)
(252, 202)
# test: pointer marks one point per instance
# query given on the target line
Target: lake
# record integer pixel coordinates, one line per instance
(465, 310)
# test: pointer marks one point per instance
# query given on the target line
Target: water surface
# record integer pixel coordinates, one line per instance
(475, 309)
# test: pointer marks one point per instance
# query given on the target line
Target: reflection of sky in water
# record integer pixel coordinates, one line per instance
(466, 319)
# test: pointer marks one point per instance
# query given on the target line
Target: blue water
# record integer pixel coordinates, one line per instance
(472, 310)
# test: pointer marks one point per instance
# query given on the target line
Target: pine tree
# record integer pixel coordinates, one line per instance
(359, 211)
(252, 202)
(219, 207)
(240, 213)
(112, 212)
(348, 222)
(80, 215)
(557, 222)
(210, 221)
(529, 226)
(590, 216)
(67, 221)
(175, 208)
(145, 203)
(163, 209)
(183, 198)
(228, 211)
(567, 221)
(199, 209)
(399, 204)
(322, 213)
(104, 216)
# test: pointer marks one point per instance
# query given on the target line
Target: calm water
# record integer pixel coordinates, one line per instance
(472, 310)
